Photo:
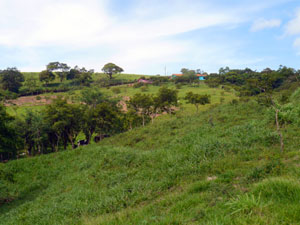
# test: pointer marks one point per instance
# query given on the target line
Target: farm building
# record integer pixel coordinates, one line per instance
(144, 81)
(200, 76)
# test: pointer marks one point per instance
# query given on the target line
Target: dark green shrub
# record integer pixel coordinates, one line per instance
(144, 88)
(116, 90)
(234, 102)
(138, 85)
(178, 86)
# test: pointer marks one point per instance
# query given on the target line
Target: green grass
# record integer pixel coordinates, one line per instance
(125, 90)
(220, 166)
(180, 170)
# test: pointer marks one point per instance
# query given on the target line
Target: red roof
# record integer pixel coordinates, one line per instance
(145, 81)
(201, 75)
(177, 75)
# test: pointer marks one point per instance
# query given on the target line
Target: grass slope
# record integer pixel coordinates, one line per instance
(221, 166)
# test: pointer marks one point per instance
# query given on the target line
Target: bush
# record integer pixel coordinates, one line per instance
(178, 86)
(38, 97)
(138, 85)
(116, 90)
(144, 89)
(234, 102)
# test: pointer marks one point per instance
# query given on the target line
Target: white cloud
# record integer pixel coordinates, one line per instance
(52, 22)
(297, 42)
(297, 45)
(262, 24)
(293, 26)
(138, 41)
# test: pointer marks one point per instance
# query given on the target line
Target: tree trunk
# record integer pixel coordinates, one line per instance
(278, 130)
(143, 120)
(57, 143)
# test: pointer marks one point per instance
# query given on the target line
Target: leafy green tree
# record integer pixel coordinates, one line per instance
(31, 84)
(46, 76)
(223, 71)
(166, 99)
(131, 119)
(189, 76)
(61, 69)
(65, 120)
(142, 104)
(213, 82)
(104, 118)
(107, 120)
(73, 73)
(33, 130)
(83, 76)
(197, 99)
(110, 69)
(92, 97)
(11, 79)
(9, 141)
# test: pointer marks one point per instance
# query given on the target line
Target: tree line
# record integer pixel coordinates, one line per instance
(58, 125)
(12, 81)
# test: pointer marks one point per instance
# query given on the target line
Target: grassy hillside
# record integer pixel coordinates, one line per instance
(221, 166)
(125, 90)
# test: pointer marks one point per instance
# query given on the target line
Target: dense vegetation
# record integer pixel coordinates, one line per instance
(232, 160)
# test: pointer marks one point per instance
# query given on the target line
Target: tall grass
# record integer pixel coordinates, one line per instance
(184, 169)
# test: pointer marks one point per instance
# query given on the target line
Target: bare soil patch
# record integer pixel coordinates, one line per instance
(35, 100)
(123, 104)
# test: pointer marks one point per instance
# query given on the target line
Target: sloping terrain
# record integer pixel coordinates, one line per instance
(222, 166)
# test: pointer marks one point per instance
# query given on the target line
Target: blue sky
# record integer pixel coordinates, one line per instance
(144, 36)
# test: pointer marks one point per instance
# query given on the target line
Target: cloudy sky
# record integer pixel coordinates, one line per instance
(144, 36)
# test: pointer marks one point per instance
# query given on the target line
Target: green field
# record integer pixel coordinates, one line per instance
(125, 90)
(222, 165)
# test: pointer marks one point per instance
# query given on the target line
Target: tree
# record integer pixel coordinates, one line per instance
(188, 76)
(166, 99)
(223, 71)
(46, 76)
(73, 73)
(33, 131)
(197, 99)
(107, 120)
(141, 104)
(62, 69)
(92, 97)
(83, 76)
(64, 120)
(131, 119)
(110, 69)
(11, 79)
(31, 84)
(8, 139)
